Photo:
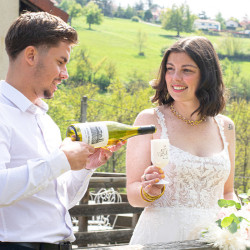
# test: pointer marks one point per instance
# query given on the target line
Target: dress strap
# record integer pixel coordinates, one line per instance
(162, 123)
(220, 124)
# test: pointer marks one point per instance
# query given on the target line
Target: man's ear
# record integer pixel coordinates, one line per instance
(30, 54)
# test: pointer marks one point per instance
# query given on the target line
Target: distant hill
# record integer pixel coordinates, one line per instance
(117, 40)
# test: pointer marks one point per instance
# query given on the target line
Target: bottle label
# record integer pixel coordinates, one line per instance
(95, 134)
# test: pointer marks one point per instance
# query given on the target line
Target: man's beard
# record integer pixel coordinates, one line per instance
(47, 94)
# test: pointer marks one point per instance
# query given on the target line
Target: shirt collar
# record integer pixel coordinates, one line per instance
(21, 101)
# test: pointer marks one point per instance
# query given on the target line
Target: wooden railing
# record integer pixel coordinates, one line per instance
(184, 245)
(85, 210)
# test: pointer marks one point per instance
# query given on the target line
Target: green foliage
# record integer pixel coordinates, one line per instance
(73, 8)
(65, 106)
(93, 14)
(106, 6)
(239, 112)
(178, 18)
(101, 73)
(141, 41)
(148, 15)
(229, 203)
(129, 12)
(221, 20)
(231, 46)
(231, 222)
(135, 19)
(236, 82)
(120, 12)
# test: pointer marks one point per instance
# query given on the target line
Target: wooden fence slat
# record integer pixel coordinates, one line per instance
(104, 237)
(107, 182)
(104, 209)
(106, 174)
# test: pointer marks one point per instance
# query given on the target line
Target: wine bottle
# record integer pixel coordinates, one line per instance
(105, 133)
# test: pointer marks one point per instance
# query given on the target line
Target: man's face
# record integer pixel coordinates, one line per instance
(50, 69)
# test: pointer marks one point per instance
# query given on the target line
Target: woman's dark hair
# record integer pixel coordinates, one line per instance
(37, 29)
(211, 89)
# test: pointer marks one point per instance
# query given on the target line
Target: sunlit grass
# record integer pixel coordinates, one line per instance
(116, 40)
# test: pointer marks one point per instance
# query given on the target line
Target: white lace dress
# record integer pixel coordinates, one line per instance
(190, 199)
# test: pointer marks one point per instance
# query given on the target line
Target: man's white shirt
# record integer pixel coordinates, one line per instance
(37, 186)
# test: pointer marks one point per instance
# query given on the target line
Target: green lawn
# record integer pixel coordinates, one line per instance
(116, 39)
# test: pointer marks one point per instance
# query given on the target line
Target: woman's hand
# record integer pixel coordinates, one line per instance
(101, 155)
(150, 178)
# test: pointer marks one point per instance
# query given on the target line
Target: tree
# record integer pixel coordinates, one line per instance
(178, 18)
(129, 12)
(120, 12)
(73, 8)
(93, 14)
(148, 15)
(203, 15)
(139, 6)
(83, 2)
(141, 40)
(173, 19)
(189, 20)
(88, 72)
(106, 6)
(221, 20)
(150, 3)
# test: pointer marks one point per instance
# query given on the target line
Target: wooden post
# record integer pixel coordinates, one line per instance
(83, 220)
(84, 109)
(135, 219)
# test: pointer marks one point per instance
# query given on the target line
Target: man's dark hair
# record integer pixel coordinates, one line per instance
(211, 89)
(37, 29)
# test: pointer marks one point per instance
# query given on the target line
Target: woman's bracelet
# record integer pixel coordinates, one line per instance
(150, 198)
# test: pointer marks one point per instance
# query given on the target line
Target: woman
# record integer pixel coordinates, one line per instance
(190, 95)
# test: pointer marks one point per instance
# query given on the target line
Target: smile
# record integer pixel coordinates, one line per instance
(179, 87)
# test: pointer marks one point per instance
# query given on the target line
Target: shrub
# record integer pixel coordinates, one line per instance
(135, 19)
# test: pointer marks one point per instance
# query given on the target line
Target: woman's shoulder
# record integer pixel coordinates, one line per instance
(226, 122)
(145, 117)
(228, 128)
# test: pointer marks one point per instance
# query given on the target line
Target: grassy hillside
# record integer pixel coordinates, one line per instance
(117, 40)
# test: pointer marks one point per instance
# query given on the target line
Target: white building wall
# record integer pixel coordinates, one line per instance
(232, 24)
(9, 12)
(206, 24)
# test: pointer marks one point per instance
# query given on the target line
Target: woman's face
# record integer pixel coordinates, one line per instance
(182, 77)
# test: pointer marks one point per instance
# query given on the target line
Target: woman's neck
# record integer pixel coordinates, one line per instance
(186, 110)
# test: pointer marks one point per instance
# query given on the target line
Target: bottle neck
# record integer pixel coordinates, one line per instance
(146, 129)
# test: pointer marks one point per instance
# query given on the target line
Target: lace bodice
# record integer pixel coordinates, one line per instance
(194, 181)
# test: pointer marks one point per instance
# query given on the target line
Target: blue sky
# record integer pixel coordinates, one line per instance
(228, 8)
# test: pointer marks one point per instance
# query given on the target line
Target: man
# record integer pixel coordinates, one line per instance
(41, 178)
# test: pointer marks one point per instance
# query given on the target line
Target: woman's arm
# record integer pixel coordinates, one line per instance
(138, 163)
(229, 130)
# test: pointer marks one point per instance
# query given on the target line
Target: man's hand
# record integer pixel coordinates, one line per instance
(77, 153)
(101, 155)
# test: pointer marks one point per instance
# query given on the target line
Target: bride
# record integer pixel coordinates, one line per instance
(189, 92)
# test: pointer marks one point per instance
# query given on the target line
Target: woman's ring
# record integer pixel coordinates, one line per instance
(144, 176)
